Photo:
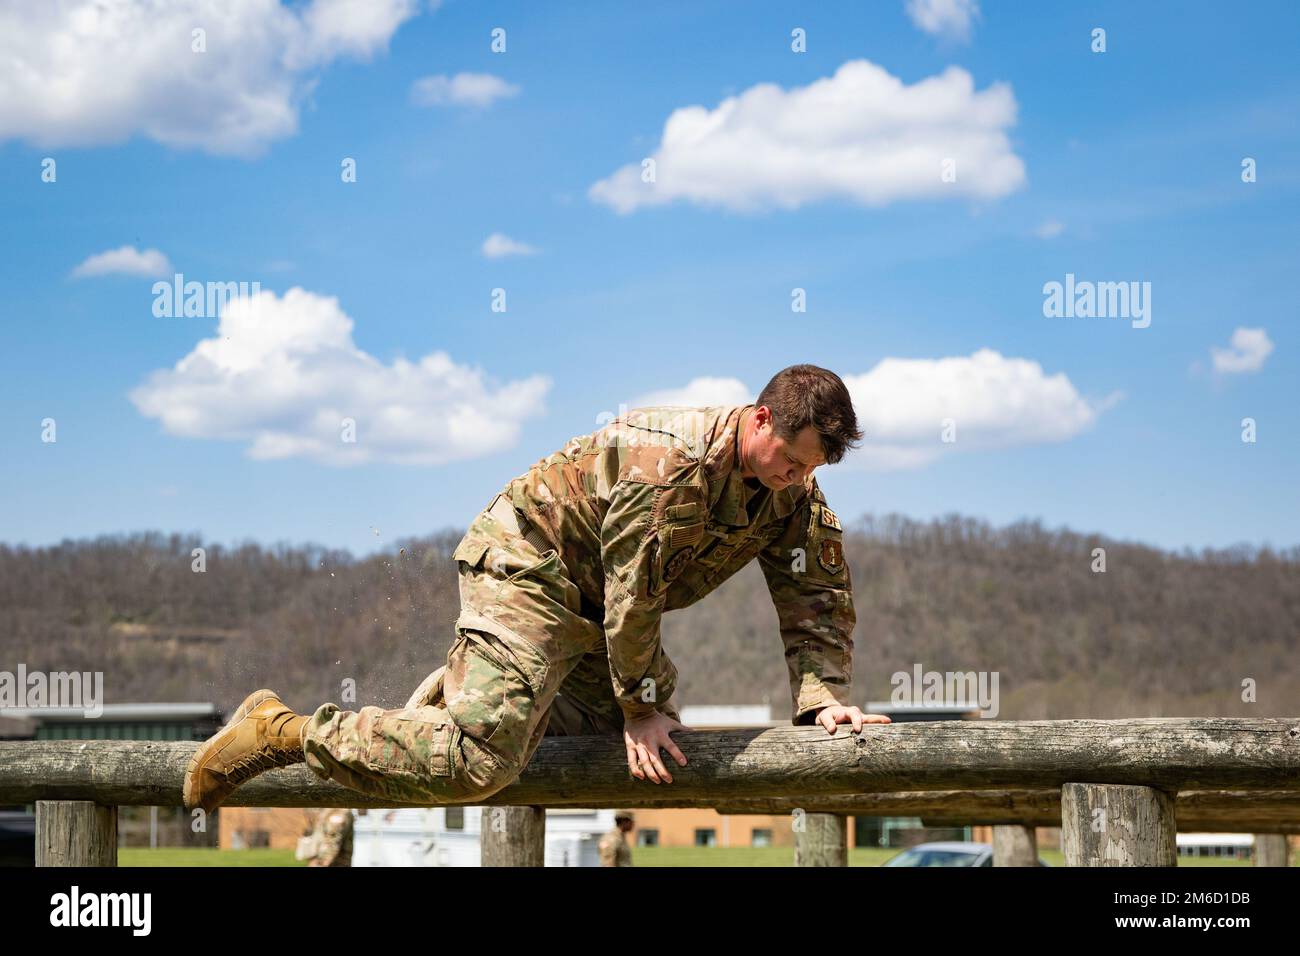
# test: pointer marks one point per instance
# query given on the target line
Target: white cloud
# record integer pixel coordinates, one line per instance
(89, 72)
(700, 392)
(861, 135)
(463, 89)
(126, 260)
(950, 19)
(282, 373)
(498, 246)
(1249, 349)
(1049, 229)
(994, 402)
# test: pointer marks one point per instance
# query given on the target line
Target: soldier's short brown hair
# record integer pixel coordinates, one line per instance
(804, 395)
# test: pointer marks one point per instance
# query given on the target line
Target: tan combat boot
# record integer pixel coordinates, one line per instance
(263, 733)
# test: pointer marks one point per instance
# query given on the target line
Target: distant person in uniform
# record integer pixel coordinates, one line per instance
(614, 850)
(330, 841)
(563, 580)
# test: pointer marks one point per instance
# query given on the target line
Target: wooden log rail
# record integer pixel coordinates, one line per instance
(1223, 811)
(1128, 771)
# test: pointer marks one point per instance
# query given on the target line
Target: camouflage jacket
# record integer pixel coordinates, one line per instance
(650, 513)
(614, 850)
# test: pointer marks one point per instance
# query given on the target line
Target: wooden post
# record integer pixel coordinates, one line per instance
(1105, 825)
(1015, 846)
(513, 836)
(821, 839)
(1271, 850)
(75, 833)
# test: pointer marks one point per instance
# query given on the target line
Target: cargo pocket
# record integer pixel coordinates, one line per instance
(550, 556)
(471, 550)
(495, 703)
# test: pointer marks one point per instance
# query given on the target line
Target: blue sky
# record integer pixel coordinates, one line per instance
(1131, 164)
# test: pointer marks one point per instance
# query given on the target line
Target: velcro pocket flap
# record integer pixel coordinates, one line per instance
(470, 550)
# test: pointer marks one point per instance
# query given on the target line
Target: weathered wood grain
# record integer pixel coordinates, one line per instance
(821, 839)
(1166, 753)
(1271, 849)
(1014, 846)
(75, 833)
(513, 836)
(1106, 825)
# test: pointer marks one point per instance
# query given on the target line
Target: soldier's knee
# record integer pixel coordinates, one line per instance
(481, 771)
(495, 705)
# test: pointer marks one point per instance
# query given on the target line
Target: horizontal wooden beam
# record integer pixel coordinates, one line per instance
(1167, 753)
(1227, 811)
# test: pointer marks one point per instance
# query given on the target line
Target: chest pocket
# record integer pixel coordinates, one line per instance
(738, 545)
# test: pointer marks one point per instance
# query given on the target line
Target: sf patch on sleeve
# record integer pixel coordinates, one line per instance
(829, 544)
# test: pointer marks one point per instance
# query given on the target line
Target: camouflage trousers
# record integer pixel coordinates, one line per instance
(526, 663)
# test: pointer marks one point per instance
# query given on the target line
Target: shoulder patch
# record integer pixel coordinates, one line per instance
(678, 563)
(830, 519)
(831, 555)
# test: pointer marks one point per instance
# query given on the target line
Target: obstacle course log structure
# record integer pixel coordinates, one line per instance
(1154, 758)
(1239, 811)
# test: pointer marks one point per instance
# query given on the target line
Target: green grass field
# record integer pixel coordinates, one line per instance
(642, 856)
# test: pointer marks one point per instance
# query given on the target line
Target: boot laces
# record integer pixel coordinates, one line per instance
(256, 761)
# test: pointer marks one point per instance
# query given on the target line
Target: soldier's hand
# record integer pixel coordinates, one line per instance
(828, 717)
(644, 739)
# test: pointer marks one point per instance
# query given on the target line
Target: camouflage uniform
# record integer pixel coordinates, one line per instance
(614, 850)
(561, 597)
(333, 837)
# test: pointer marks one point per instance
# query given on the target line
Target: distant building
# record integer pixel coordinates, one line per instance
(136, 826)
(1237, 846)
(116, 722)
(276, 828)
(418, 836)
(450, 836)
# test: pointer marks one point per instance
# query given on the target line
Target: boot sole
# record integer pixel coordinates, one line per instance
(205, 748)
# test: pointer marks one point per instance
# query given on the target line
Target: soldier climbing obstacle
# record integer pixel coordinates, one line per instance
(563, 580)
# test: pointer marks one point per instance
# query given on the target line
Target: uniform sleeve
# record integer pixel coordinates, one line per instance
(809, 582)
(608, 851)
(640, 671)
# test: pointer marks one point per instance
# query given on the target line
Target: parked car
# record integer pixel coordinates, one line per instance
(952, 853)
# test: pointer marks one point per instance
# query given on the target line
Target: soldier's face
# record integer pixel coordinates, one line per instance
(778, 463)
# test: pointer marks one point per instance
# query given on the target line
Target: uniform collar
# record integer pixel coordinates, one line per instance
(730, 508)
